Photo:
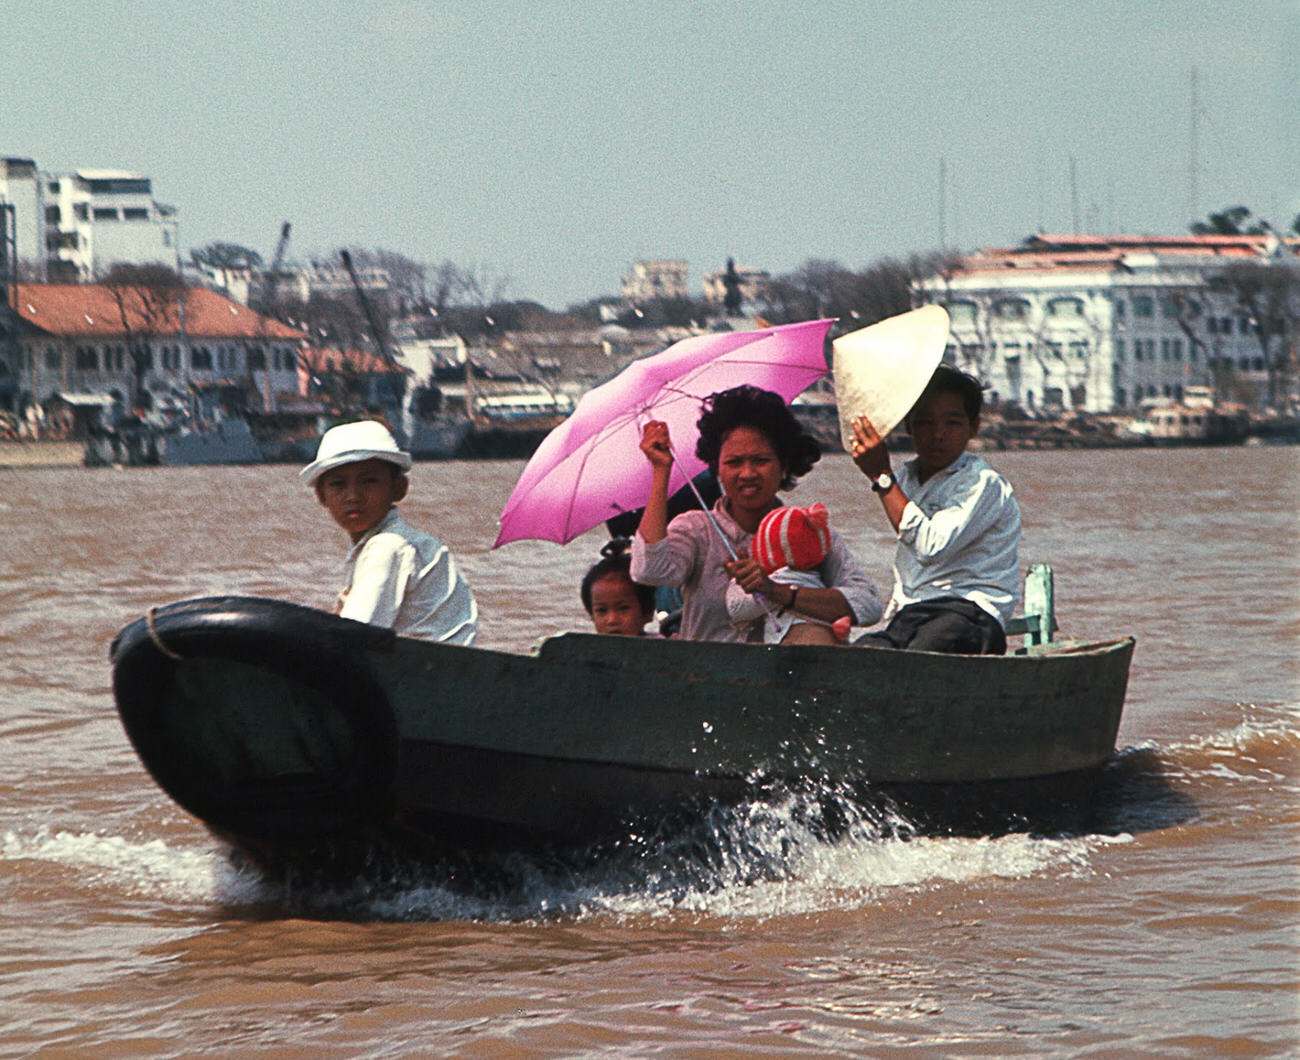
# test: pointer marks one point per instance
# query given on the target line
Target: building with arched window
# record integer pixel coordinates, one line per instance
(142, 346)
(1105, 323)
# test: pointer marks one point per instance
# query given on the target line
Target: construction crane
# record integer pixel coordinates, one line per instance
(367, 309)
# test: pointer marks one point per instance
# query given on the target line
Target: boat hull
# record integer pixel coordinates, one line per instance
(285, 728)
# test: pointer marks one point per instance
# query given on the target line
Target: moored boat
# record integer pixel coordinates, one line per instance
(296, 735)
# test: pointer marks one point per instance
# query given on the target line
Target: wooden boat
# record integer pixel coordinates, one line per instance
(290, 732)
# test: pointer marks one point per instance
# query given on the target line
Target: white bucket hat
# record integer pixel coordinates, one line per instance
(350, 443)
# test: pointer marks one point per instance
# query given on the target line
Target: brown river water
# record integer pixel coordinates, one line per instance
(1170, 931)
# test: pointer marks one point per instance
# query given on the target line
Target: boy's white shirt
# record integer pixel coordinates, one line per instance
(959, 536)
(408, 580)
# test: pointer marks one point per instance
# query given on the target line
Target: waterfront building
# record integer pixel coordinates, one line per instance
(652, 280)
(142, 346)
(73, 227)
(1106, 323)
(20, 187)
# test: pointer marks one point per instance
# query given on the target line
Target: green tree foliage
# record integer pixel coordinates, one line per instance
(226, 256)
(1231, 221)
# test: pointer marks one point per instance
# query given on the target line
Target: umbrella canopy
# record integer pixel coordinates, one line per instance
(591, 468)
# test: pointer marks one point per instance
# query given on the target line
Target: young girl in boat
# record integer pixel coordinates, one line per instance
(396, 576)
(616, 603)
(755, 447)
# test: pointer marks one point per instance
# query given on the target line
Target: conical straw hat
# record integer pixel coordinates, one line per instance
(881, 370)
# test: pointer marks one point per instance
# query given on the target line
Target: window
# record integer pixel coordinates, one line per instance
(256, 359)
(81, 211)
(86, 359)
(105, 213)
(1011, 309)
(962, 314)
(201, 358)
(1144, 305)
(1011, 351)
(1080, 352)
(53, 215)
(1121, 309)
(1176, 346)
(135, 213)
(1065, 307)
(52, 358)
(1119, 350)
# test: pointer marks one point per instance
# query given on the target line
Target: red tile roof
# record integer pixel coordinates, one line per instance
(1045, 252)
(318, 360)
(92, 310)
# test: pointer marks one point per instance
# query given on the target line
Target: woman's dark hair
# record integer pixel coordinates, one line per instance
(765, 412)
(616, 560)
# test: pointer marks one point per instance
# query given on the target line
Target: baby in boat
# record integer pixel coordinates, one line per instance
(790, 544)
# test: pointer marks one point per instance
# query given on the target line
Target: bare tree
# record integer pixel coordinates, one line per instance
(1268, 295)
(150, 301)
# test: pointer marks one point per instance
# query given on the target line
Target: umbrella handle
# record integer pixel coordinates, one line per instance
(703, 507)
(714, 523)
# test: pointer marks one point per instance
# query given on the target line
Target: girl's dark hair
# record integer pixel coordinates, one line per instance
(616, 560)
(765, 412)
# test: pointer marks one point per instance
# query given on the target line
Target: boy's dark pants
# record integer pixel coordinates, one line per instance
(948, 625)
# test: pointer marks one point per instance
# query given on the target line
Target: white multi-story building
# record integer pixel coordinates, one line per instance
(651, 280)
(1099, 323)
(75, 226)
(20, 186)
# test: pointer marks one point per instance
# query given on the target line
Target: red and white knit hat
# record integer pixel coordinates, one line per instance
(792, 537)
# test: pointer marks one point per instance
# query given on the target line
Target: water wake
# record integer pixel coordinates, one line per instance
(790, 852)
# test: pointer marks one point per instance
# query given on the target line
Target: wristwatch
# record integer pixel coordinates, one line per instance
(882, 483)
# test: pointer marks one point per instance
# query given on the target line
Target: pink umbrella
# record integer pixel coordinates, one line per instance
(591, 468)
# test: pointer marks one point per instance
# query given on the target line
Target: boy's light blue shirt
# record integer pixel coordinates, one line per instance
(959, 536)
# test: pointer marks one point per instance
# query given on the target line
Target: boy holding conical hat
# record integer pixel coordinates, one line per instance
(957, 567)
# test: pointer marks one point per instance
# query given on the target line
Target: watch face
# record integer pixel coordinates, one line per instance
(882, 482)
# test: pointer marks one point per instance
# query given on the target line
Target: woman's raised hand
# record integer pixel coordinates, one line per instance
(656, 445)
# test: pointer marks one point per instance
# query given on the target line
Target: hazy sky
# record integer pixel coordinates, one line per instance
(555, 142)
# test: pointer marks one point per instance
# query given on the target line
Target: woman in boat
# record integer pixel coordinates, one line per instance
(614, 601)
(755, 447)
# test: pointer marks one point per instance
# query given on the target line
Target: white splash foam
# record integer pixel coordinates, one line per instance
(151, 868)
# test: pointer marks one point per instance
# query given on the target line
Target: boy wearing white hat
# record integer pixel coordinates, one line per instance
(397, 576)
